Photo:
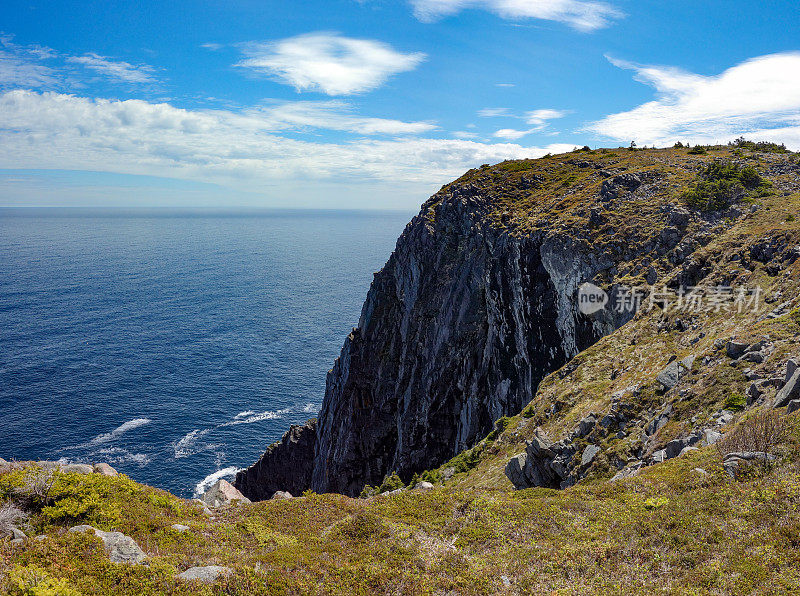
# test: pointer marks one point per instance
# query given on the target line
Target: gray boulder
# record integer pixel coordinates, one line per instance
(676, 446)
(660, 456)
(281, 495)
(589, 454)
(221, 494)
(733, 462)
(205, 575)
(736, 349)
(791, 368)
(793, 406)
(711, 436)
(180, 528)
(789, 392)
(105, 470)
(424, 486)
(120, 548)
(77, 469)
(674, 372)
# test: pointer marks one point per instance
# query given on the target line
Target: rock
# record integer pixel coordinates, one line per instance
(700, 471)
(675, 447)
(791, 368)
(180, 528)
(120, 548)
(285, 466)
(753, 393)
(659, 421)
(732, 462)
(203, 506)
(448, 473)
(725, 418)
(585, 426)
(16, 533)
(711, 436)
(589, 454)
(515, 471)
(105, 470)
(686, 450)
(607, 421)
(736, 349)
(77, 469)
(628, 471)
(674, 372)
(678, 217)
(793, 406)
(660, 456)
(424, 486)
(221, 494)
(281, 495)
(789, 392)
(755, 357)
(206, 575)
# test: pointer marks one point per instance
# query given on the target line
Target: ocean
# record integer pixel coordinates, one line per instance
(174, 345)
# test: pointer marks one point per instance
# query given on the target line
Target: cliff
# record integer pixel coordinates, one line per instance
(478, 304)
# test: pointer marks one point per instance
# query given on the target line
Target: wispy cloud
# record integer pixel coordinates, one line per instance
(21, 66)
(583, 15)
(236, 149)
(328, 62)
(759, 97)
(122, 71)
(536, 119)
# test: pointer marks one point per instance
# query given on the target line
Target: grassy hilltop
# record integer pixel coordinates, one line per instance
(684, 526)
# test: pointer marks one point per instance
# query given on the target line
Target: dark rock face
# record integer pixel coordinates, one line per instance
(286, 465)
(458, 329)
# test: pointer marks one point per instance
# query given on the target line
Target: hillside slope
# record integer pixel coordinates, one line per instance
(478, 304)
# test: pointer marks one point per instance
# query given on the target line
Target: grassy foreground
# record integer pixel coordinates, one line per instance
(670, 530)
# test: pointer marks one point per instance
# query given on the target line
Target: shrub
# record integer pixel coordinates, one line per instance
(363, 526)
(735, 402)
(499, 427)
(30, 487)
(9, 515)
(697, 150)
(761, 146)
(721, 184)
(35, 581)
(390, 483)
(764, 431)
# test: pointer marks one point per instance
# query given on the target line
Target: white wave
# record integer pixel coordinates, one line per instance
(253, 417)
(244, 414)
(309, 408)
(117, 455)
(185, 446)
(120, 430)
(209, 480)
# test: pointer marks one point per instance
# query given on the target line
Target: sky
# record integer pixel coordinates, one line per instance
(367, 104)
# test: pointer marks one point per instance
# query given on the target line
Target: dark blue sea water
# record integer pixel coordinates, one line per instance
(175, 346)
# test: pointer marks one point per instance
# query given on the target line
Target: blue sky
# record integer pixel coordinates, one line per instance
(367, 103)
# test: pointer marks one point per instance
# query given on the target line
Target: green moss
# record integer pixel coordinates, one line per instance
(735, 402)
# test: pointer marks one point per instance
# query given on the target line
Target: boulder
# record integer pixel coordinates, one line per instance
(585, 426)
(515, 471)
(221, 494)
(120, 548)
(281, 495)
(736, 349)
(589, 454)
(675, 447)
(700, 471)
(732, 462)
(660, 456)
(205, 575)
(628, 471)
(789, 392)
(686, 450)
(105, 470)
(76, 469)
(674, 372)
(180, 528)
(711, 436)
(791, 368)
(16, 533)
(424, 486)
(659, 421)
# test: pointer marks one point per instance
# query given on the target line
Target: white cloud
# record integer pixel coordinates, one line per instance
(335, 115)
(757, 98)
(239, 150)
(494, 112)
(328, 62)
(20, 66)
(537, 119)
(584, 15)
(122, 71)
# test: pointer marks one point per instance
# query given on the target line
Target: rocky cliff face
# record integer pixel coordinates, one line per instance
(471, 311)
